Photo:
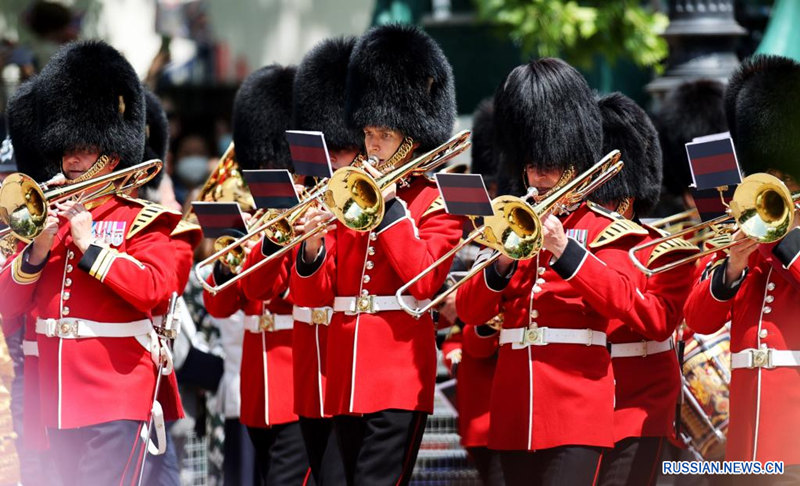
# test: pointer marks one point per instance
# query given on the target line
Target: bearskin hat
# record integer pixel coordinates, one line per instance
(627, 127)
(484, 161)
(546, 115)
(693, 109)
(23, 128)
(762, 104)
(262, 112)
(399, 78)
(319, 89)
(89, 96)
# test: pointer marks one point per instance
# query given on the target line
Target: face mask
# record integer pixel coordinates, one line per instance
(192, 170)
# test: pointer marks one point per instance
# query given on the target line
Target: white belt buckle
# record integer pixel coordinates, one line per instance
(266, 322)
(644, 348)
(365, 304)
(589, 335)
(760, 358)
(320, 316)
(533, 336)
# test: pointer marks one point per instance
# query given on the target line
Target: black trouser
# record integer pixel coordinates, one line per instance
(487, 462)
(109, 454)
(239, 466)
(633, 461)
(280, 454)
(323, 451)
(380, 448)
(573, 465)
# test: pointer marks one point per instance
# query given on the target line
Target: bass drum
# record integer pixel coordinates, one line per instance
(704, 410)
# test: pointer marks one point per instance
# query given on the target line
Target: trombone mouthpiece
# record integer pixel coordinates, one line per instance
(373, 160)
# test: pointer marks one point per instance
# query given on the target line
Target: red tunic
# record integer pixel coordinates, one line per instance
(558, 394)
(383, 360)
(83, 379)
(474, 380)
(647, 387)
(266, 370)
(764, 418)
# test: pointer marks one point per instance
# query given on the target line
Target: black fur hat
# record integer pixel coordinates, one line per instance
(262, 112)
(319, 89)
(484, 161)
(693, 109)
(546, 115)
(762, 104)
(399, 78)
(88, 95)
(156, 134)
(23, 128)
(627, 127)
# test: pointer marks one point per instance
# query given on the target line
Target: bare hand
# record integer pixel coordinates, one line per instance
(738, 256)
(80, 221)
(448, 309)
(311, 220)
(555, 240)
(390, 192)
(503, 264)
(44, 242)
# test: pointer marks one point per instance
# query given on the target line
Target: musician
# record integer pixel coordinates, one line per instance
(261, 115)
(645, 365)
(318, 105)
(95, 273)
(552, 399)
(381, 361)
(757, 286)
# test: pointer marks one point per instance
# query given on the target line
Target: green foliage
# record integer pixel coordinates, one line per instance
(580, 30)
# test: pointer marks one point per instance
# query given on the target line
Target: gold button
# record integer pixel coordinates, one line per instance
(370, 265)
(762, 334)
(70, 254)
(769, 299)
(536, 288)
(364, 292)
(65, 311)
(534, 313)
(69, 268)
(540, 281)
(66, 296)
(371, 251)
(540, 271)
(373, 237)
(767, 309)
(771, 286)
(68, 282)
(535, 324)
(365, 279)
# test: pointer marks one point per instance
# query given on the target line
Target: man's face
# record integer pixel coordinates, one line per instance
(382, 142)
(543, 181)
(342, 158)
(76, 162)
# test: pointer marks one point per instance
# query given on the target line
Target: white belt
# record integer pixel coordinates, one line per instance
(268, 322)
(30, 348)
(72, 328)
(640, 348)
(764, 358)
(316, 316)
(522, 337)
(371, 304)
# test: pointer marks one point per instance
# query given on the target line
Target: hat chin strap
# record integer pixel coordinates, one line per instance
(98, 165)
(400, 155)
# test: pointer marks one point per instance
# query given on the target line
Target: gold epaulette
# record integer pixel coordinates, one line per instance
(150, 212)
(184, 227)
(617, 230)
(436, 205)
(454, 330)
(604, 211)
(671, 246)
(718, 241)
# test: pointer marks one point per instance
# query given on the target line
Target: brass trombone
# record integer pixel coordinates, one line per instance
(762, 208)
(515, 228)
(351, 194)
(24, 205)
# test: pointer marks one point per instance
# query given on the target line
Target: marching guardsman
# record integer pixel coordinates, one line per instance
(553, 392)
(645, 365)
(381, 361)
(757, 286)
(97, 270)
(261, 115)
(318, 101)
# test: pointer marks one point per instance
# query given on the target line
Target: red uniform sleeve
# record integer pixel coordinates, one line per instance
(476, 300)
(704, 311)
(480, 341)
(18, 282)
(270, 279)
(225, 302)
(314, 284)
(144, 274)
(411, 249)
